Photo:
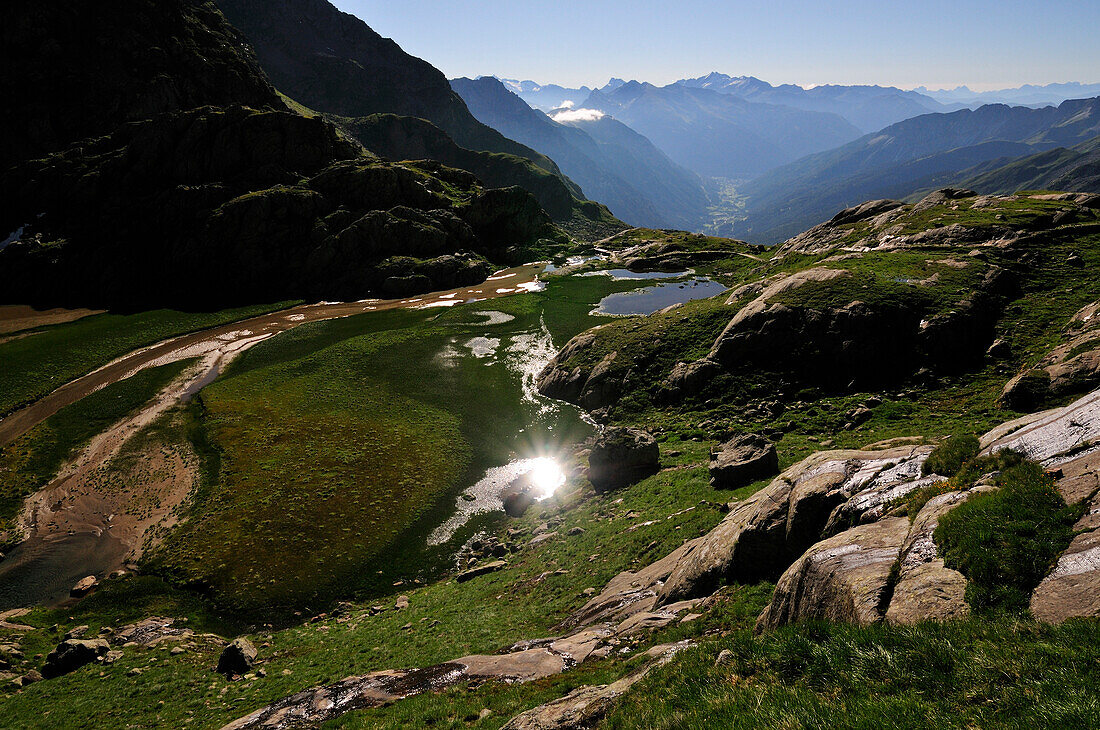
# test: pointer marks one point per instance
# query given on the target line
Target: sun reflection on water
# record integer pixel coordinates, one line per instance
(545, 476)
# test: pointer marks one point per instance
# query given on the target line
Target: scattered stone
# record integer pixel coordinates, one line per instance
(518, 502)
(29, 678)
(724, 657)
(742, 460)
(574, 531)
(114, 655)
(402, 602)
(237, 657)
(83, 586)
(177, 650)
(77, 632)
(72, 654)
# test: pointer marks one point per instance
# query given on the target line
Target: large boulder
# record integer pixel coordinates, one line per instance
(72, 654)
(742, 460)
(237, 657)
(621, 456)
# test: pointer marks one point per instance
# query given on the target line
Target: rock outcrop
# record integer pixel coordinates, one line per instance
(621, 456)
(844, 578)
(1072, 589)
(1070, 368)
(925, 587)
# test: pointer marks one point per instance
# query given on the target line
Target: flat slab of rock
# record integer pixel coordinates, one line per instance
(742, 460)
(622, 456)
(151, 631)
(843, 578)
(1050, 434)
(519, 666)
(478, 570)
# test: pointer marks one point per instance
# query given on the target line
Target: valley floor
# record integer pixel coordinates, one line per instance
(318, 461)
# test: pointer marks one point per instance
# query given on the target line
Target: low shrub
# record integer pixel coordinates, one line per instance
(948, 458)
(1006, 541)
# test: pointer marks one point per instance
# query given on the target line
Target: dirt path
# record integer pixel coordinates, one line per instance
(96, 515)
(198, 344)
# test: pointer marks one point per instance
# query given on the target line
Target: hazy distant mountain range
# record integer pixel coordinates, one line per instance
(867, 107)
(796, 155)
(611, 162)
(721, 135)
(1028, 94)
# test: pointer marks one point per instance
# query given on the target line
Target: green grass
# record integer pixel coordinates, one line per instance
(34, 365)
(1006, 541)
(525, 600)
(976, 673)
(29, 462)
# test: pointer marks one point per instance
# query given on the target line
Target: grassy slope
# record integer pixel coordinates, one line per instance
(32, 366)
(33, 459)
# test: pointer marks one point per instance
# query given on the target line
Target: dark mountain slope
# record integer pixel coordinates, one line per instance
(906, 158)
(409, 138)
(335, 63)
(720, 135)
(611, 162)
(69, 82)
(1075, 168)
(222, 203)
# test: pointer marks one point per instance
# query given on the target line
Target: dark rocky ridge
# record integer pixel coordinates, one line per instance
(224, 203)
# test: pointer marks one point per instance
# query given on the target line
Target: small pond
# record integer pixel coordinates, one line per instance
(650, 299)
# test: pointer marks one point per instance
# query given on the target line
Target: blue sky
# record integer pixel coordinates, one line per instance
(934, 43)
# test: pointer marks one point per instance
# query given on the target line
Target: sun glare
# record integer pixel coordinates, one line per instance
(546, 476)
